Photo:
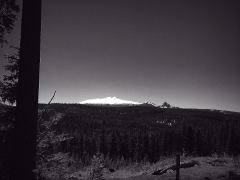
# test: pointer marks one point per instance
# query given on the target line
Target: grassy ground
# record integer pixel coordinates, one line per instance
(209, 168)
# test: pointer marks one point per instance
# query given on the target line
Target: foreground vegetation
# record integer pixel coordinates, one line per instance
(137, 133)
(211, 168)
(131, 141)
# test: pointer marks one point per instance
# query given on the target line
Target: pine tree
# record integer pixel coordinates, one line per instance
(8, 86)
(97, 165)
(93, 147)
(146, 146)
(124, 147)
(153, 149)
(199, 143)
(113, 146)
(8, 15)
(27, 96)
(132, 149)
(103, 148)
(189, 139)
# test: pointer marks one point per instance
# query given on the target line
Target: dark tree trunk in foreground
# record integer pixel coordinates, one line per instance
(27, 97)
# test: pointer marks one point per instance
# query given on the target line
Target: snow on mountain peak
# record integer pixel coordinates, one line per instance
(108, 100)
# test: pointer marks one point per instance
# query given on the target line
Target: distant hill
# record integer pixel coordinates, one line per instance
(143, 114)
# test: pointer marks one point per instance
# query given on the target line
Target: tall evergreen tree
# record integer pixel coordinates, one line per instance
(132, 149)
(199, 143)
(189, 139)
(8, 86)
(113, 146)
(103, 144)
(8, 15)
(146, 146)
(124, 146)
(27, 96)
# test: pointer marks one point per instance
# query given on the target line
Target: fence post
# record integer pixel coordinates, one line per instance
(178, 167)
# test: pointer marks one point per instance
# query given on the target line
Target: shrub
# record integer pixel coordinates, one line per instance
(97, 166)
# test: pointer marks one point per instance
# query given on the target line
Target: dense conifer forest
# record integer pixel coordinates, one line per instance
(137, 133)
(140, 133)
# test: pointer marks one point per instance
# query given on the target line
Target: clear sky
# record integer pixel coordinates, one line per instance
(184, 52)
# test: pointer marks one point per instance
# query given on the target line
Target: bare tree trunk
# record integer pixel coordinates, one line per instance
(27, 97)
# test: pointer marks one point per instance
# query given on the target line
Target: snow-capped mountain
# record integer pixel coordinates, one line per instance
(109, 100)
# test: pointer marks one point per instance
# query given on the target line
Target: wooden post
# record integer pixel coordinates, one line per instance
(178, 167)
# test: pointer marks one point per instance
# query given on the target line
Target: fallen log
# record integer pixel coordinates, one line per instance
(173, 167)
